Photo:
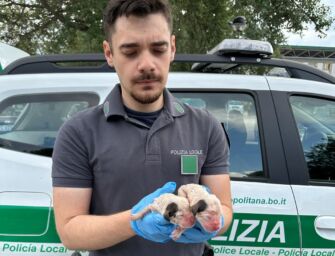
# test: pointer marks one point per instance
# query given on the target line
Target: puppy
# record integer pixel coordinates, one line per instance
(174, 208)
(205, 206)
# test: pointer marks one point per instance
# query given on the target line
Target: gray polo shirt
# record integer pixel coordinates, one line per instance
(123, 160)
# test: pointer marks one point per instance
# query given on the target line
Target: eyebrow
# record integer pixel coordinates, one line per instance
(160, 43)
(128, 45)
(135, 45)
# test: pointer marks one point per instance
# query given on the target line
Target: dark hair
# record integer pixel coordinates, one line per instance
(140, 8)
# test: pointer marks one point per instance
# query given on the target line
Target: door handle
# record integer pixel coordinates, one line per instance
(325, 227)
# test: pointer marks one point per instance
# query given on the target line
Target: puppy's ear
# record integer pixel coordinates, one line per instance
(170, 211)
(200, 206)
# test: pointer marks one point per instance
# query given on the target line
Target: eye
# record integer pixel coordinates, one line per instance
(160, 49)
(179, 214)
(130, 54)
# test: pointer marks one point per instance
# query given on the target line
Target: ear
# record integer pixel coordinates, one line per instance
(173, 47)
(108, 53)
(170, 211)
(200, 206)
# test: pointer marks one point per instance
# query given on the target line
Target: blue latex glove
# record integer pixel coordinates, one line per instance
(207, 189)
(197, 234)
(153, 226)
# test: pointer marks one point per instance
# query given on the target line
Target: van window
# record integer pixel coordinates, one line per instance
(236, 111)
(29, 123)
(315, 120)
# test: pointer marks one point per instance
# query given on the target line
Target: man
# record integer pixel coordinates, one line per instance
(108, 158)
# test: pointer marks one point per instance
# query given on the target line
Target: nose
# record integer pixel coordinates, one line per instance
(146, 63)
(188, 220)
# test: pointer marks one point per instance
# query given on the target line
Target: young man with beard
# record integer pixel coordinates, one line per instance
(108, 159)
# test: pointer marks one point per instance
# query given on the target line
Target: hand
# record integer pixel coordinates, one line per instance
(153, 226)
(198, 234)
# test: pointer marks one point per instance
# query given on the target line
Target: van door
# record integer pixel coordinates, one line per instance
(265, 216)
(30, 123)
(308, 129)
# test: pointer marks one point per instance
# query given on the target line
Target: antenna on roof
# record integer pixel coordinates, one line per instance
(238, 24)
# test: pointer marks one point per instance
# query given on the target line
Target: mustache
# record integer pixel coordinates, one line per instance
(147, 76)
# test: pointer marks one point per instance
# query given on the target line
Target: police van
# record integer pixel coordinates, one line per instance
(279, 116)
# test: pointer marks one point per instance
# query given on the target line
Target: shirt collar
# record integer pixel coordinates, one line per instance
(173, 105)
(113, 105)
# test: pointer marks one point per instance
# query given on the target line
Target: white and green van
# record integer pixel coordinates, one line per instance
(282, 141)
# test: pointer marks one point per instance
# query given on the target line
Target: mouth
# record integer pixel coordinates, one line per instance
(213, 228)
(147, 85)
(147, 78)
(147, 81)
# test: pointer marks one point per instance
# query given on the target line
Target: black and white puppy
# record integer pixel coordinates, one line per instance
(205, 206)
(174, 208)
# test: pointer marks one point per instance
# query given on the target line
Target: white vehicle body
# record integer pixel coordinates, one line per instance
(275, 212)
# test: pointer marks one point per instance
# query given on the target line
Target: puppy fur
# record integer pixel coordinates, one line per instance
(205, 206)
(174, 208)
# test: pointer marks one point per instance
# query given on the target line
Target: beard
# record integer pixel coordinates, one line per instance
(146, 98)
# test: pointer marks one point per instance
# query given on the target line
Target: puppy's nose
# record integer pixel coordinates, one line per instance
(188, 220)
(215, 224)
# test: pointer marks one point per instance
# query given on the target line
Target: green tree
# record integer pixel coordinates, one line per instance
(65, 26)
(48, 26)
(200, 25)
(267, 20)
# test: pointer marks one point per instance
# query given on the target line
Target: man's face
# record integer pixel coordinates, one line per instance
(142, 49)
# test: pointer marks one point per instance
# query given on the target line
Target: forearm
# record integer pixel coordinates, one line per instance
(228, 217)
(92, 232)
(220, 186)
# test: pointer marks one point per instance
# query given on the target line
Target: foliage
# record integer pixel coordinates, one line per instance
(321, 160)
(47, 26)
(65, 26)
(200, 25)
(268, 19)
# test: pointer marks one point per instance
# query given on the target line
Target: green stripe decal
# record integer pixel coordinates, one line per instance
(261, 230)
(23, 220)
(27, 224)
(36, 225)
(310, 239)
(266, 230)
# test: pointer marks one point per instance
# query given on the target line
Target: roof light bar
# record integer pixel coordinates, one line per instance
(243, 47)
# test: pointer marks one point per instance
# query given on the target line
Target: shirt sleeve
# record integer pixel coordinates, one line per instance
(217, 159)
(70, 163)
